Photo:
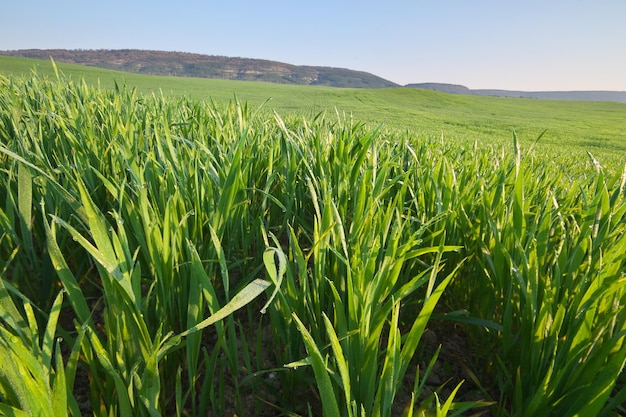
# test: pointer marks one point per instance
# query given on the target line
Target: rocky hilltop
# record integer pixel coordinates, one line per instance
(183, 64)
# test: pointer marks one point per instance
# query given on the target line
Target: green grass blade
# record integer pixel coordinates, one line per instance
(59, 388)
(72, 362)
(241, 299)
(66, 195)
(417, 329)
(74, 292)
(8, 411)
(340, 359)
(48, 338)
(107, 259)
(122, 392)
(99, 230)
(25, 203)
(269, 259)
(9, 312)
(221, 257)
(324, 385)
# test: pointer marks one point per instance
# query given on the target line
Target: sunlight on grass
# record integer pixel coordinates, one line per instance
(168, 255)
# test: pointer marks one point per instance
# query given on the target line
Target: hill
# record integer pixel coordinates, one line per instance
(183, 64)
(617, 96)
(442, 88)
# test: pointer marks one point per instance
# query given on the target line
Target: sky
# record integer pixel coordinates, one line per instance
(524, 45)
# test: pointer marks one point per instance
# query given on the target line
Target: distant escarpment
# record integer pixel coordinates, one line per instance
(183, 64)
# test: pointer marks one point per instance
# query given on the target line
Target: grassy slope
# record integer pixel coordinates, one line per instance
(576, 127)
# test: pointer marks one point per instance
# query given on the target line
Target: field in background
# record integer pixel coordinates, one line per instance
(571, 128)
(164, 255)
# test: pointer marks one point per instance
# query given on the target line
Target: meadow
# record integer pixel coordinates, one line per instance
(571, 128)
(187, 247)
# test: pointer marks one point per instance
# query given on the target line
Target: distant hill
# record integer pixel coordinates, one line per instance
(618, 96)
(183, 64)
(441, 87)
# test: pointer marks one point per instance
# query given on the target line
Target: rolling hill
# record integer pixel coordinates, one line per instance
(183, 64)
(618, 96)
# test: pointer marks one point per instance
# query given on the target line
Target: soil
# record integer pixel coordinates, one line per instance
(258, 392)
(450, 369)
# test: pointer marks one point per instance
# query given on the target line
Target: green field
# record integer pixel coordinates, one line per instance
(570, 126)
(167, 250)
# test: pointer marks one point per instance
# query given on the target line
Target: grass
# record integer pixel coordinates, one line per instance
(196, 257)
(574, 126)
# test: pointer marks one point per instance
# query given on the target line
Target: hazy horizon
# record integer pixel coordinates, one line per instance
(531, 46)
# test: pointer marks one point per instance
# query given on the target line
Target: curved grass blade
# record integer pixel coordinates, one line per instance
(241, 299)
(269, 259)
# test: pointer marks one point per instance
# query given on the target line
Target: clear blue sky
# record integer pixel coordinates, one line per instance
(524, 45)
